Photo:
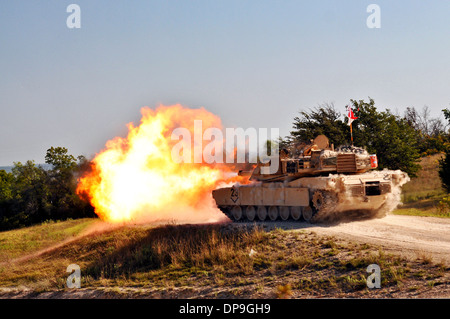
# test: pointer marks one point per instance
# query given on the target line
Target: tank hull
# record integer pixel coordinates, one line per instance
(313, 199)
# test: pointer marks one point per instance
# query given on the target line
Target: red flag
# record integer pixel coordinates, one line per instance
(351, 116)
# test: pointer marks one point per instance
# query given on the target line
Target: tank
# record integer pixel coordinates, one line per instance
(316, 183)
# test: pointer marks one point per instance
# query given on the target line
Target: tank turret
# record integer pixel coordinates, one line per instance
(316, 158)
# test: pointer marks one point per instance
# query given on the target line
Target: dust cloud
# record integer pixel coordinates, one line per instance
(343, 206)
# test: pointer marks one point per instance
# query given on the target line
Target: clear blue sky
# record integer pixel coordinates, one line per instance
(254, 63)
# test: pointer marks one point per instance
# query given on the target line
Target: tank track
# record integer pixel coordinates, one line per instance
(322, 203)
(296, 213)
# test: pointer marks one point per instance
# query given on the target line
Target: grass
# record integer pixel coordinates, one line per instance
(28, 240)
(215, 259)
(424, 195)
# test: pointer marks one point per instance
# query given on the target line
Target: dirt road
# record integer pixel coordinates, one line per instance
(412, 236)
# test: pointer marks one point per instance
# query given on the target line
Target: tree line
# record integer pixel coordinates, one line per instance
(31, 194)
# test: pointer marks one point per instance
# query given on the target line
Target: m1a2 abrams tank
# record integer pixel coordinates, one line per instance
(314, 182)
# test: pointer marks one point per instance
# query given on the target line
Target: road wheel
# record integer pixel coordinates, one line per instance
(284, 212)
(307, 213)
(236, 212)
(250, 213)
(296, 212)
(273, 212)
(262, 213)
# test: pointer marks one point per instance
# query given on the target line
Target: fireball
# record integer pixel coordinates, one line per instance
(136, 178)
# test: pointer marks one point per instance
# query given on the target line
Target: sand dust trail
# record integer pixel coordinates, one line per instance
(412, 236)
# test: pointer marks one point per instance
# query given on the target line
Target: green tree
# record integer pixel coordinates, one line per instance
(62, 183)
(6, 181)
(324, 119)
(31, 194)
(444, 162)
(389, 136)
(444, 170)
(446, 114)
(58, 157)
(6, 196)
(431, 132)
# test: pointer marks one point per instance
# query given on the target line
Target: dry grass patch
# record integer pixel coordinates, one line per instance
(424, 195)
(221, 261)
(16, 243)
